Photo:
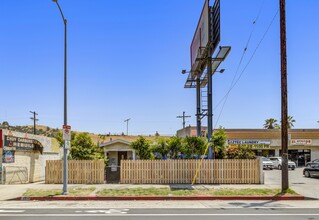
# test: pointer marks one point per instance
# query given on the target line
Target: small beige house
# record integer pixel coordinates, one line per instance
(118, 150)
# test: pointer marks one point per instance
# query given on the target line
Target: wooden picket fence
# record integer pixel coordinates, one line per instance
(79, 171)
(226, 171)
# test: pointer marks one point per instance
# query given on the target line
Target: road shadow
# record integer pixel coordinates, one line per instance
(258, 204)
(175, 187)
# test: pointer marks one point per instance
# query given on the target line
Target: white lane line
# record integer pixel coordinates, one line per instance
(149, 215)
(107, 211)
(8, 210)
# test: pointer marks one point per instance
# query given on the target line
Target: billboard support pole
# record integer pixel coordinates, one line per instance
(210, 102)
(198, 108)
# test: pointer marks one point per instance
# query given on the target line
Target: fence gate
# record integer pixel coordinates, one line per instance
(113, 174)
(15, 175)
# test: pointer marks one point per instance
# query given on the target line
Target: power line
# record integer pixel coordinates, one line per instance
(242, 57)
(34, 121)
(249, 61)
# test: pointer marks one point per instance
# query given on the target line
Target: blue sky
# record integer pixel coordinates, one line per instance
(125, 60)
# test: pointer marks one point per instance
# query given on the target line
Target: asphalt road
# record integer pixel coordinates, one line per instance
(168, 214)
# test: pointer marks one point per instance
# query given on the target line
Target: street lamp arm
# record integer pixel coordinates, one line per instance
(57, 3)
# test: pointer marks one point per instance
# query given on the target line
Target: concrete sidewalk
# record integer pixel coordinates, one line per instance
(304, 186)
(8, 192)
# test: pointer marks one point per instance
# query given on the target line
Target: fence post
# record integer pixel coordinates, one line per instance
(261, 171)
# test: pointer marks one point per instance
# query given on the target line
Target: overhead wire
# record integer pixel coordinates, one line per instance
(233, 84)
(243, 54)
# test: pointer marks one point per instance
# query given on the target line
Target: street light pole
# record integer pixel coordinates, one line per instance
(65, 151)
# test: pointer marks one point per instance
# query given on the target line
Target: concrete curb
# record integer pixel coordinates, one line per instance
(114, 198)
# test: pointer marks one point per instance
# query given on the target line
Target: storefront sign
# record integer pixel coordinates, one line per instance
(249, 142)
(301, 142)
(8, 156)
(22, 143)
(254, 144)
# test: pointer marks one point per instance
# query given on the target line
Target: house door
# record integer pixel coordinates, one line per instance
(122, 155)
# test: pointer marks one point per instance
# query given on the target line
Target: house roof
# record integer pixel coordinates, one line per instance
(114, 142)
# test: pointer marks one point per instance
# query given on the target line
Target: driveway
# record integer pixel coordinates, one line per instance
(302, 185)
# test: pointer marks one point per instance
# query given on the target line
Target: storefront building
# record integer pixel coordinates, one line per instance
(24, 156)
(303, 143)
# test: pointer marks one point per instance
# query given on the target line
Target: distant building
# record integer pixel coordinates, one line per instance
(303, 143)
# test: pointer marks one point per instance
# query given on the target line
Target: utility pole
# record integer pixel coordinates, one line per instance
(127, 120)
(34, 118)
(183, 117)
(284, 98)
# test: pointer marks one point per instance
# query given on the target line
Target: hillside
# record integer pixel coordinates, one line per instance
(40, 129)
(52, 132)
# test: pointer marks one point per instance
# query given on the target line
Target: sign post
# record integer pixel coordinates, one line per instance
(66, 132)
(67, 145)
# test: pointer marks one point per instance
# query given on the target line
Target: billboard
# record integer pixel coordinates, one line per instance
(215, 24)
(201, 36)
(207, 34)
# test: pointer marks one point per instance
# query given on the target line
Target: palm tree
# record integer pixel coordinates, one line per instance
(270, 123)
(290, 121)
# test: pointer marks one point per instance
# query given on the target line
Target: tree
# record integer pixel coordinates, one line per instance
(5, 124)
(161, 147)
(194, 146)
(290, 121)
(270, 123)
(143, 148)
(219, 142)
(174, 146)
(277, 126)
(82, 147)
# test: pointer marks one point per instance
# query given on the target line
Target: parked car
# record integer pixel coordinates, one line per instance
(267, 164)
(312, 171)
(311, 163)
(278, 163)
